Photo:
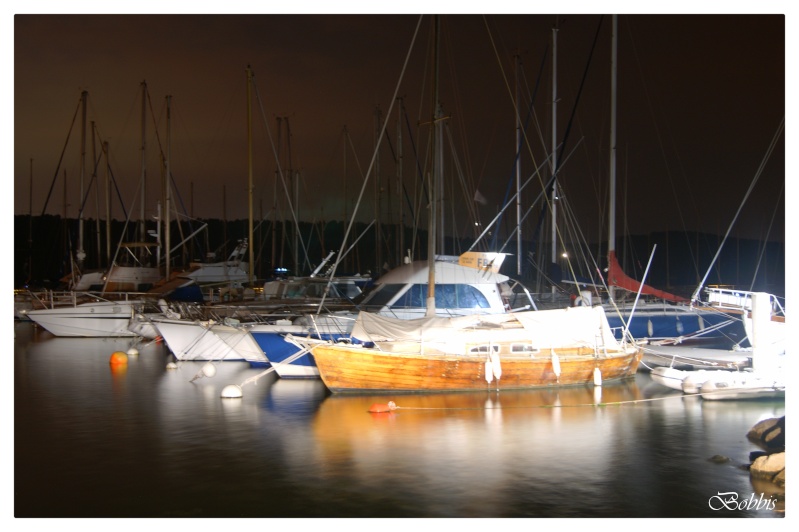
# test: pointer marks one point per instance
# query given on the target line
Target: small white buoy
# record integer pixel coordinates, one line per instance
(231, 391)
(209, 370)
(133, 352)
(171, 365)
(597, 377)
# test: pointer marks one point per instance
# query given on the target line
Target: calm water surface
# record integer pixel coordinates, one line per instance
(147, 441)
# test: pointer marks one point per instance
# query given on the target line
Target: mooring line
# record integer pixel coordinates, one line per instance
(578, 405)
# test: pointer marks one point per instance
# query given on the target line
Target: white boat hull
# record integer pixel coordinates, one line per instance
(743, 386)
(668, 377)
(88, 320)
(194, 340)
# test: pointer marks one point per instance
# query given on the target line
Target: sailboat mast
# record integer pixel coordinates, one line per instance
(107, 155)
(249, 171)
(30, 224)
(167, 187)
(431, 231)
(612, 187)
(401, 220)
(80, 255)
(518, 174)
(143, 178)
(96, 194)
(439, 173)
(553, 201)
(378, 211)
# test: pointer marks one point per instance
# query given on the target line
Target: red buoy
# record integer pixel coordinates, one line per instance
(378, 408)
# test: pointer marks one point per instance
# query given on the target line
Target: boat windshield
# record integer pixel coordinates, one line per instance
(448, 296)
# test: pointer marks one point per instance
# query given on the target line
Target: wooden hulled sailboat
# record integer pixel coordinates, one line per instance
(535, 349)
(573, 346)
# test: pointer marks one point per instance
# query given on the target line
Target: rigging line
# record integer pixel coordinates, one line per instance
(281, 174)
(508, 87)
(452, 78)
(182, 203)
(61, 158)
(650, 108)
(541, 194)
(570, 122)
(576, 233)
(461, 176)
(374, 156)
(765, 240)
(119, 244)
(759, 172)
(394, 156)
(580, 90)
(355, 154)
(516, 108)
(502, 210)
(576, 237)
(419, 171)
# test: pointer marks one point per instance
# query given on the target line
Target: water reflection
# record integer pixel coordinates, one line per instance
(288, 448)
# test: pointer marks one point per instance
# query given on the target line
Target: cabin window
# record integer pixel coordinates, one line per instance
(523, 348)
(295, 290)
(484, 349)
(382, 295)
(460, 296)
(448, 296)
(349, 290)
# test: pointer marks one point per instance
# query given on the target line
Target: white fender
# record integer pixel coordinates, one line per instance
(556, 364)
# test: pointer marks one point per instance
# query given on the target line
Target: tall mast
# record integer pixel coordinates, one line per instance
(433, 179)
(612, 187)
(518, 174)
(30, 224)
(167, 187)
(378, 224)
(80, 255)
(554, 199)
(143, 178)
(401, 218)
(344, 177)
(249, 171)
(96, 194)
(107, 205)
(344, 173)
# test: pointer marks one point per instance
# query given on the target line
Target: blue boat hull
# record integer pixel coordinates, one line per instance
(706, 328)
(277, 349)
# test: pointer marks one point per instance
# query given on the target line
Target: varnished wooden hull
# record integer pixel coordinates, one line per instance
(346, 368)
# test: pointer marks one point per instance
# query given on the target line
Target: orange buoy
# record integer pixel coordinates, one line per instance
(119, 358)
(378, 408)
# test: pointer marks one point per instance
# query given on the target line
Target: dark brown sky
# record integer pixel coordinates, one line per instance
(700, 98)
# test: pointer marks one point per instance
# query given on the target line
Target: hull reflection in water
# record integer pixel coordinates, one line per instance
(156, 442)
(451, 443)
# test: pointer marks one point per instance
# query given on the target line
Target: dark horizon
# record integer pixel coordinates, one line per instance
(679, 262)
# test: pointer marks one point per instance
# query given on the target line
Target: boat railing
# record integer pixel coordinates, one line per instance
(54, 298)
(730, 299)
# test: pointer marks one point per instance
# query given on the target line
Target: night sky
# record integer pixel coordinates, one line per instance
(700, 99)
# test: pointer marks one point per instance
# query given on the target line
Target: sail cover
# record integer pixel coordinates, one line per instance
(617, 277)
(568, 327)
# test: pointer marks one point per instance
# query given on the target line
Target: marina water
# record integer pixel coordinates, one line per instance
(140, 440)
